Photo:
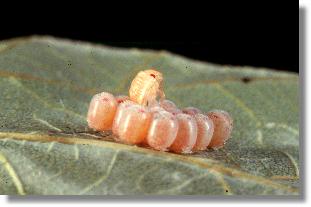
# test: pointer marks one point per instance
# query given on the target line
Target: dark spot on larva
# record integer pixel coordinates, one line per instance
(120, 101)
(246, 79)
(153, 75)
(214, 116)
(227, 191)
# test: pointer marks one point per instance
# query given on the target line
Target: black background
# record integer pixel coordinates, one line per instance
(256, 34)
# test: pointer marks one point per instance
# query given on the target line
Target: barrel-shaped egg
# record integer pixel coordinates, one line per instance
(131, 123)
(101, 111)
(191, 110)
(170, 106)
(163, 130)
(186, 135)
(223, 125)
(205, 132)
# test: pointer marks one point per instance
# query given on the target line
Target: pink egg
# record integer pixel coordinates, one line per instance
(186, 135)
(191, 110)
(163, 130)
(119, 114)
(223, 125)
(156, 109)
(131, 123)
(101, 111)
(205, 132)
(170, 106)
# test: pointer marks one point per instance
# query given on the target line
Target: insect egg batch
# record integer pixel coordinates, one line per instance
(141, 119)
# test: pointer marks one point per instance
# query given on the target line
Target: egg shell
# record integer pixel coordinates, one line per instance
(163, 130)
(186, 135)
(223, 125)
(131, 123)
(101, 111)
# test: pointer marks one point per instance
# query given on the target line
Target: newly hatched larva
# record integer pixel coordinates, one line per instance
(141, 119)
(146, 87)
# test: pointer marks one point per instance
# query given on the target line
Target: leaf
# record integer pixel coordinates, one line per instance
(45, 147)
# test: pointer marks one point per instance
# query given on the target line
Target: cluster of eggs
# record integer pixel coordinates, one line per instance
(141, 119)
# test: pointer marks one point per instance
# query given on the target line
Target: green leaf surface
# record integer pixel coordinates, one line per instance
(45, 147)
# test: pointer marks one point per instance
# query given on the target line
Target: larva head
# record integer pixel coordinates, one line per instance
(155, 75)
(121, 98)
(146, 87)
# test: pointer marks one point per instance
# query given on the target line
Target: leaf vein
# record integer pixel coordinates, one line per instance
(17, 182)
(18, 84)
(104, 177)
(239, 102)
(46, 123)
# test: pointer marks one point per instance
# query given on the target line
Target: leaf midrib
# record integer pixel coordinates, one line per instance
(210, 164)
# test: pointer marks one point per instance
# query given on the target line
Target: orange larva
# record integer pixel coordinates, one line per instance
(146, 87)
(142, 119)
